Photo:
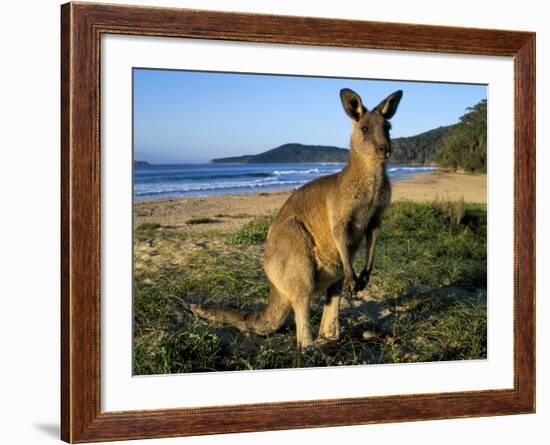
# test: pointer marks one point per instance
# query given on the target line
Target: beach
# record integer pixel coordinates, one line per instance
(226, 213)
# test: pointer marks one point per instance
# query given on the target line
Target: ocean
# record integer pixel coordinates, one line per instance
(185, 180)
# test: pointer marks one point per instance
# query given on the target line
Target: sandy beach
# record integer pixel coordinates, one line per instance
(228, 212)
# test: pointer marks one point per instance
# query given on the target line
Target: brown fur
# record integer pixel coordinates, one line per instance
(311, 243)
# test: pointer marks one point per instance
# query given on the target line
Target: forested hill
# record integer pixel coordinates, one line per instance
(289, 153)
(462, 146)
(419, 149)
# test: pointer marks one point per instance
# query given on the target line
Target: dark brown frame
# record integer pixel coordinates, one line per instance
(82, 25)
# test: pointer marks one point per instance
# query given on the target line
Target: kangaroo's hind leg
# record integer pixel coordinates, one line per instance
(290, 268)
(330, 325)
(301, 316)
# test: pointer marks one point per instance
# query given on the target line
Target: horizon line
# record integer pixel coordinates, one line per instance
(141, 159)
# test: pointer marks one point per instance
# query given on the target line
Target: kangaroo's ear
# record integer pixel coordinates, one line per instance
(352, 103)
(388, 106)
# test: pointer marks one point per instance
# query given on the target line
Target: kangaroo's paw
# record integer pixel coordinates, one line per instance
(330, 336)
(305, 345)
(329, 331)
(350, 284)
(322, 341)
(362, 281)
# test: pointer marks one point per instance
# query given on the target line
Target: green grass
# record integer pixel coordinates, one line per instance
(252, 233)
(427, 296)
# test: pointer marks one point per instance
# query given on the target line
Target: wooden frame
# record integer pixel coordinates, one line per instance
(81, 28)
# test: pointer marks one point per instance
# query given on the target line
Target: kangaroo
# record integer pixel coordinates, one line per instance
(312, 241)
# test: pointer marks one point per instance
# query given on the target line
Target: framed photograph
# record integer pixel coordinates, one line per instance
(275, 222)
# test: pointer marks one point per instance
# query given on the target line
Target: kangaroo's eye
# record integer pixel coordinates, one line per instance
(364, 129)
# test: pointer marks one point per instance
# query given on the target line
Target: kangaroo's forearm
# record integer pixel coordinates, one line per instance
(372, 232)
(372, 237)
(341, 239)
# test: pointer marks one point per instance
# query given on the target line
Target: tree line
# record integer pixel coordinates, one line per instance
(465, 144)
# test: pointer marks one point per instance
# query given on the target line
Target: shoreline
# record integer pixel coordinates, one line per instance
(229, 212)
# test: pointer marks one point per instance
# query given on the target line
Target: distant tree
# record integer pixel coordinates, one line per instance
(465, 145)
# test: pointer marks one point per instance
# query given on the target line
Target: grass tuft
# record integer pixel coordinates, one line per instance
(252, 233)
(201, 220)
(148, 226)
(453, 210)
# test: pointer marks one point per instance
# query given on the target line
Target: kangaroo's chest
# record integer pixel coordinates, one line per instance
(370, 201)
(358, 225)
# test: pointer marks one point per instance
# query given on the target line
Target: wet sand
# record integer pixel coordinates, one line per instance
(228, 212)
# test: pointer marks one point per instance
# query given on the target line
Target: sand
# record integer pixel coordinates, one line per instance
(429, 186)
(229, 212)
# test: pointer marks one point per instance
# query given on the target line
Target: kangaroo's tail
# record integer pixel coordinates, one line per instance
(263, 322)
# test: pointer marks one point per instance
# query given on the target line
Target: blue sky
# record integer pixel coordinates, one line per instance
(189, 116)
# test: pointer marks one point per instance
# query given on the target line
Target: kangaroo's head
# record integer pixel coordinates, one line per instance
(371, 130)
